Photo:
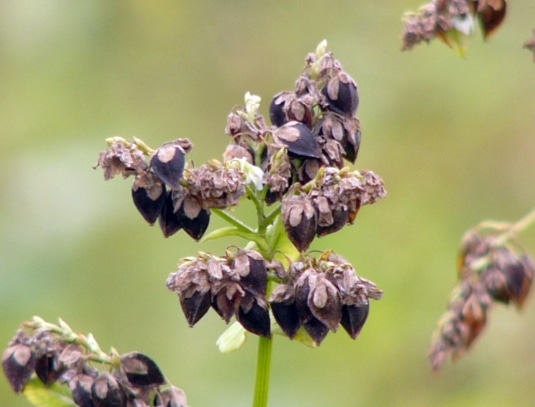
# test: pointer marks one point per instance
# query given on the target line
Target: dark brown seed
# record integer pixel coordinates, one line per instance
(299, 217)
(18, 363)
(195, 307)
(341, 94)
(316, 329)
(195, 227)
(490, 15)
(251, 267)
(340, 218)
(46, 368)
(171, 397)
(353, 318)
(300, 112)
(168, 162)
(106, 392)
(286, 315)
(255, 318)
(276, 110)
(324, 303)
(226, 303)
(141, 371)
(169, 222)
(298, 139)
(149, 202)
(81, 390)
(351, 147)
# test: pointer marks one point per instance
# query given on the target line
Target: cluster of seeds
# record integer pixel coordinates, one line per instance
(233, 285)
(320, 294)
(316, 294)
(296, 165)
(439, 17)
(165, 190)
(490, 270)
(55, 354)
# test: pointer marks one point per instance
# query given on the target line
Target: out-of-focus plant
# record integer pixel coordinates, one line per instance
(492, 268)
(294, 173)
(452, 22)
(492, 265)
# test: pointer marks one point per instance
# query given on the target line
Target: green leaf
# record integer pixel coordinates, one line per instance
(42, 396)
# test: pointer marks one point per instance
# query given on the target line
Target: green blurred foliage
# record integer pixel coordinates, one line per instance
(453, 139)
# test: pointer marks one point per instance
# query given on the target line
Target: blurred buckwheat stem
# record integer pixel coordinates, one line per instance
(492, 267)
(294, 173)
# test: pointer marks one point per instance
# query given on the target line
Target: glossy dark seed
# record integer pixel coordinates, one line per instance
(105, 391)
(255, 318)
(81, 390)
(303, 234)
(298, 139)
(168, 162)
(149, 202)
(340, 218)
(285, 314)
(195, 307)
(46, 368)
(351, 147)
(196, 227)
(276, 110)
(253, 273)
(226, 307)
(170, 223)
(141, 371)
(18, 363)
(341, 94)
(353, 318)
(316, 329)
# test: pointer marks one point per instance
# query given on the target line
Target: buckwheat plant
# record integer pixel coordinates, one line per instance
(293, 171)
(452, 22)
(492, 268)
(43, 356)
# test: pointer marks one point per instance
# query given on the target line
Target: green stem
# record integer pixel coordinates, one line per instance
(232, 220)
(520, 225)
(263, 368)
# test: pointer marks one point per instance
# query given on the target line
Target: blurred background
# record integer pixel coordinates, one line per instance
(454, 140)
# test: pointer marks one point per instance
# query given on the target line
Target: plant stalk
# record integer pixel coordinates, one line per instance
(263, 369)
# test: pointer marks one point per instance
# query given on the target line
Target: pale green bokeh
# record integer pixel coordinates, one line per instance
(453, 139)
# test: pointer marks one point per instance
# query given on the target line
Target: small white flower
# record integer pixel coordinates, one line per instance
(252, 104)
(321, 49)
(463, 23)
(253, 174)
